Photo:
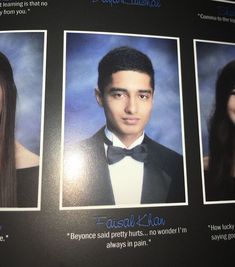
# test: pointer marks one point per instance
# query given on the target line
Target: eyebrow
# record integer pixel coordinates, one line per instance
(116, 89)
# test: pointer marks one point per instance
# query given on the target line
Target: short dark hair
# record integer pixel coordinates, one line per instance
(123, 58)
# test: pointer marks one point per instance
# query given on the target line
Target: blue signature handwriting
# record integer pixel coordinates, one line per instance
(226, 11)
(147, 3)
(146, 220)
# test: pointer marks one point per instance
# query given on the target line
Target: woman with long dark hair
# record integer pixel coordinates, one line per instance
(18, 166)
(220, 166)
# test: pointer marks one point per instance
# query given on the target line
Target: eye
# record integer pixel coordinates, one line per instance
(144, 96)
(118, 94)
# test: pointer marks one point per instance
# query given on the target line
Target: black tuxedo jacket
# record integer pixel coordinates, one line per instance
(163, 176)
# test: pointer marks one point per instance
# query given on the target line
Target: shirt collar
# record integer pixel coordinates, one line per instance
(117, 142)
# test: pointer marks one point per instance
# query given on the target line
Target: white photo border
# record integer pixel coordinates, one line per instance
(38, 208)
(205, 202)
(182, 128)
(224, 1)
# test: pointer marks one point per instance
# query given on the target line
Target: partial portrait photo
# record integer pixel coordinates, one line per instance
(215, 75)
(122, 132)
(22, 71)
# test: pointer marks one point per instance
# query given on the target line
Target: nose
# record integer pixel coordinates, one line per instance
(131, 105)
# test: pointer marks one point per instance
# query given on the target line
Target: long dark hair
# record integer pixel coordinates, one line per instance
(8, 195)
(221, 137)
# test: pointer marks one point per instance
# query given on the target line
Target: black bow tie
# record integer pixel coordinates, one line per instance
(115, 154)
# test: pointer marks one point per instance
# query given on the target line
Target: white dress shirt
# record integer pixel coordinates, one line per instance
(127, 174)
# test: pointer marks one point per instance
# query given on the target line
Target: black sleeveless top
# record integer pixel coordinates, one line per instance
(225, 190)
(27, 187)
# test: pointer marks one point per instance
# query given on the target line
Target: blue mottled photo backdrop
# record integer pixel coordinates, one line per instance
(25, 51)
(83, 117)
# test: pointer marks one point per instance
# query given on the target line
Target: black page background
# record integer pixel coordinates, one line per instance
(38, 238)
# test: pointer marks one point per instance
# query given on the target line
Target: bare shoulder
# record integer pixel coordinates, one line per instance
(24, 157)
(206, 163)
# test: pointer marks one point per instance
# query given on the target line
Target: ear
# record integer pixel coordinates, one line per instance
(99, 97)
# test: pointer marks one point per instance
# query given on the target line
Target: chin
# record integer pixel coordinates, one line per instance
(131, 131)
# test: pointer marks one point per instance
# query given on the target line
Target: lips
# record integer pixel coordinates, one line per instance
(131, 120)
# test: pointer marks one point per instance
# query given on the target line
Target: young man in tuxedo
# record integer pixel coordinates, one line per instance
(120, 164)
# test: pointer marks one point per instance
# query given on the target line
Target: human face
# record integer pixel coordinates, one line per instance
(231, 106)
(127, 103)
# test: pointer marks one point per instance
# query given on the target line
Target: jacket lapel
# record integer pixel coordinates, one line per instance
(101, 191)
(156, 183)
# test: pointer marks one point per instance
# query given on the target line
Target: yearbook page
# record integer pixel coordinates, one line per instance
(117, 133)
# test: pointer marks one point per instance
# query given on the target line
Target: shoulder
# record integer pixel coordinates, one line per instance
(93, 142)
(25, 158)
(87, 150)
(161, 151)
(165, 159)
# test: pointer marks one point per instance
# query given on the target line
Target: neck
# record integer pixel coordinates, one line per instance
(127, 140)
